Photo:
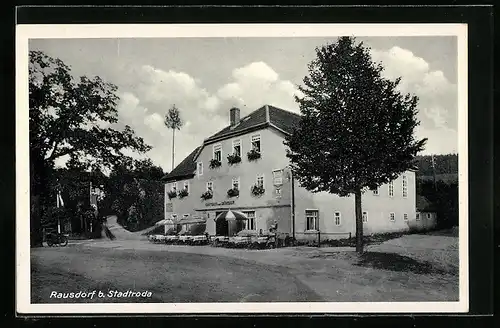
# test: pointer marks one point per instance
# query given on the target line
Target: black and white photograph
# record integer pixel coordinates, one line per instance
(234, 168)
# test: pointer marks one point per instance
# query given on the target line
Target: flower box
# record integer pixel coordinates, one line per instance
(233, 192)
(206, 195)
(183, 193)
(257, 190)
(214, 163)
(171, 194)
(233, 159)
(253, 155)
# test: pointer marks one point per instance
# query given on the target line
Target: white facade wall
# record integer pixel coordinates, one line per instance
(270, 206)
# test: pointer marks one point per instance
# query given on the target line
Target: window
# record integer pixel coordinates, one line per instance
(237, 147)
(311, 219)
(256, 143)
(337, 218)
(200, 168)
(375, 191)
(405, 217)
(174, 216)
(186, 186)
(365, 216)
(278, 177)
(236, 183)
(428, 215)
(391, 189)
(173, 187)
(218, 152)
(392, 216)
(250, 222)
(260, 180)
(210, 186)
(405, 186)
(417, 217)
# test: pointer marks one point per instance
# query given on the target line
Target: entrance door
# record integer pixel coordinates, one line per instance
(221, 226)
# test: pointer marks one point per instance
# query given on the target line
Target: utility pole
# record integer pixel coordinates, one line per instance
(173, 148)
(58, 204)
(434, 172)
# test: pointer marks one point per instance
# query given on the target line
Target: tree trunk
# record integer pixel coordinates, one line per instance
(359, 221)
(173, 148)
(38, 186)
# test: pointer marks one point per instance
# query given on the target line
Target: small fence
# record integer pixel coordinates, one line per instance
(317, 237)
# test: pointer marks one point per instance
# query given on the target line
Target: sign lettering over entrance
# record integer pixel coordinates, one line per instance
(226, 202)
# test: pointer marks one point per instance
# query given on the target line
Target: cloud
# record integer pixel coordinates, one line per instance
(257, 84)
(154, 90)
(438, 112)
(143, 107)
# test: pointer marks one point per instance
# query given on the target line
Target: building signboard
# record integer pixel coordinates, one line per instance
(226, 202)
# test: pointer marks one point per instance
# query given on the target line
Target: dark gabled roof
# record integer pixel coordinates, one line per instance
(185, 169)
(264, 116)
(424, 205)
(280, 118)
(255, 118)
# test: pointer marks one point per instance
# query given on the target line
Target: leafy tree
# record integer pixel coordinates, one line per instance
(173, 121)
(356, 129)
(444, 197)
(73, 119)
(135, 184)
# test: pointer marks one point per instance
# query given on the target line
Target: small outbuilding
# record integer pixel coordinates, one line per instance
(426, 215)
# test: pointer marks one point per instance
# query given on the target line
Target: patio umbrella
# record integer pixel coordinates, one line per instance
(164, 222)
(231, 215)
(192, 221)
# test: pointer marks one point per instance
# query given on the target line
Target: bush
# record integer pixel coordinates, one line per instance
(214, 163)
(233, 192)
(171, 194)
(183, 193)
(233, 159)
(207, 195)
(257, 190)
(253, 155)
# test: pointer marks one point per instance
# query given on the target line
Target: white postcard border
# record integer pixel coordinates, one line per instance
(23, 278)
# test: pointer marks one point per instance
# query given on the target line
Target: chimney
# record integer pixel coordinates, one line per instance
(234, 116)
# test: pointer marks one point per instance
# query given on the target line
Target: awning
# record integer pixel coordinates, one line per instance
(192, 221)
(164, 222)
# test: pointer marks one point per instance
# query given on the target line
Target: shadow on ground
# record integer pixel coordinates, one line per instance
(396, 262)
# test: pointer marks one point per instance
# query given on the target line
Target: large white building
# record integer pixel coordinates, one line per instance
(267, 191)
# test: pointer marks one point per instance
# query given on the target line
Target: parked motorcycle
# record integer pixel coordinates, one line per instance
(56, 239)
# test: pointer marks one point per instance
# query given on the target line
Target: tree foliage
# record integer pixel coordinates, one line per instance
(173, 118)
(173, 121)
(75, 119)
(134, 192)
(356, 129)
(69, 118)
(443, 164)
(444, 198)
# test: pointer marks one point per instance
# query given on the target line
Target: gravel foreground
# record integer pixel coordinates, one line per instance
(411, 268)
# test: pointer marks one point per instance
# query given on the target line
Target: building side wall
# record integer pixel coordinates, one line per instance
(378, 208)
(270, 206)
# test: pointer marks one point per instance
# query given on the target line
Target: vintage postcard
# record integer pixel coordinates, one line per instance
(259, 168)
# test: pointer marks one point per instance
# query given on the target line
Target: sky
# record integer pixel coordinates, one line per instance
(205, 77)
